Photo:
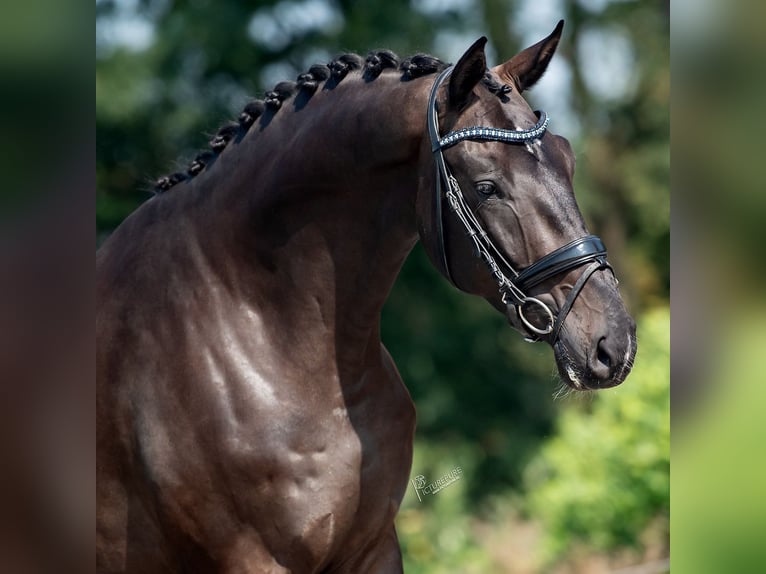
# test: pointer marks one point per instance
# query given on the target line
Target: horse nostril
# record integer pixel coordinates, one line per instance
(605, 363)
(604, 358)
(602, 355)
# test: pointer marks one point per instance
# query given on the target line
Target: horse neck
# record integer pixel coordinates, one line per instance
(318, 206)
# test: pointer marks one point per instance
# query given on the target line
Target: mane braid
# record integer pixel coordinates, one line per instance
(252, 112)
(342, 65)
(320, 72)
(224, 136)
(311, 79)
(307, 83)
(421, 65)
(281, 92)
(494, 86)
(378, 61)
(200, 161)
(166, 182)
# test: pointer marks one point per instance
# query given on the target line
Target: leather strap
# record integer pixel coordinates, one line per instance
(576, 288)
(571, 255)
(441, 168)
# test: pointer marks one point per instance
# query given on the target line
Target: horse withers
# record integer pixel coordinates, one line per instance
(249, 418)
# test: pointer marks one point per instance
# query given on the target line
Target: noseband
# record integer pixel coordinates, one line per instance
(585, 250)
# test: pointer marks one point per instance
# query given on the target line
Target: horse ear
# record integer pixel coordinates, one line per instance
(528, 66)
(467, 73)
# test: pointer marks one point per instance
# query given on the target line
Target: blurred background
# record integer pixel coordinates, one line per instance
(549, 483)
(719, 211)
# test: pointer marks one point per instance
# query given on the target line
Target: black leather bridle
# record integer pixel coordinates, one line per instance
(585, 250)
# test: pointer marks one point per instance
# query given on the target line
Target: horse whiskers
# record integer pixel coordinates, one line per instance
(562, 391)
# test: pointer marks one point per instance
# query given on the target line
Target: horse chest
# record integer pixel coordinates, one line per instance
(322, 479)
(351, 480)
(253, 455)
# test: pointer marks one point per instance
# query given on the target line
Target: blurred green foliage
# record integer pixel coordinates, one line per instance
(169, 73)
(470, 376)
(719, 471)
(606, 474)
(42, 85)
(600, 481)
(437, 533)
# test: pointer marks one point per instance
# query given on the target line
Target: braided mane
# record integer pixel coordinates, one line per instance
(306, 85)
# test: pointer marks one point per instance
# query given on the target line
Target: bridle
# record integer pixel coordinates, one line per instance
(585, 250)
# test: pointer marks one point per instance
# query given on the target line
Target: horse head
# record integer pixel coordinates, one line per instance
(498, 216)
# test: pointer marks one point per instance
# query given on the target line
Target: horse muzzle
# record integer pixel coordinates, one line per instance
(604, 362)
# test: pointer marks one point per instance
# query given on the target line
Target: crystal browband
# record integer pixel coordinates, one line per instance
(495, 134)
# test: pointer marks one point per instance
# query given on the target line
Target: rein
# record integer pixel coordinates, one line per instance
(585, 250)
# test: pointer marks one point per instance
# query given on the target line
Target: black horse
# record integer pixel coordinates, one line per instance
(249, 418)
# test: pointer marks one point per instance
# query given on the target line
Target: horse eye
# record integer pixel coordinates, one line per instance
(485, 188)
